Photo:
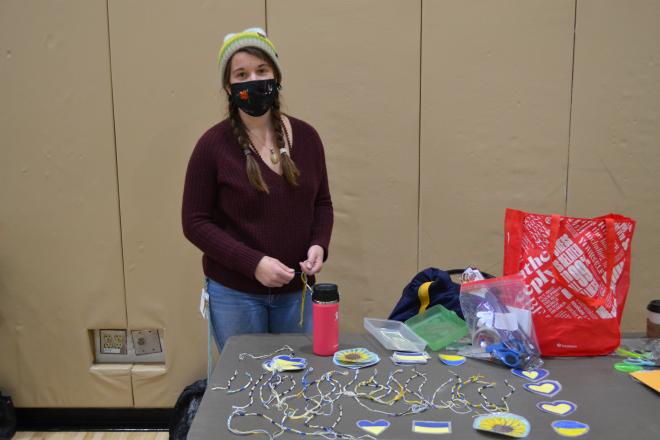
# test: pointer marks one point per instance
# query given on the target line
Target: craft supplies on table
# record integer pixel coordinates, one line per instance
(394, 335)
(326, 401)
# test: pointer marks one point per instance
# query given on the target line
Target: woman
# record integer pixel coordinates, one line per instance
(256, 199)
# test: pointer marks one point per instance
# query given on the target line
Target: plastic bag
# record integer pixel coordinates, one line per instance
(577, 272)
(498, 314)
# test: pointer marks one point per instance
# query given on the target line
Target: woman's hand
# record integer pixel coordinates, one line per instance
(271, 272)
(314, 261)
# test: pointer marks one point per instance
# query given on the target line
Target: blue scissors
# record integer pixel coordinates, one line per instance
(512, 353)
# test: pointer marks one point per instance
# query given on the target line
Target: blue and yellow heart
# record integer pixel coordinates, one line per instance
(570, 428)
(546, 388)
(557, 407)
(452, 360)
(374, 427)
(533, 375)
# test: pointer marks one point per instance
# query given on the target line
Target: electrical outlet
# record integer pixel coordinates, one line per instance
(113, 341)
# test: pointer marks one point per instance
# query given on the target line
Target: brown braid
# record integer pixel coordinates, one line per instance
(252, 167)
(289, 168)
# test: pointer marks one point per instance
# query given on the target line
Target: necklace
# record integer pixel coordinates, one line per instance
(274, 158)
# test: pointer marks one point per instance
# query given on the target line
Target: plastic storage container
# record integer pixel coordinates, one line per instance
(394, 335)
(438, 326)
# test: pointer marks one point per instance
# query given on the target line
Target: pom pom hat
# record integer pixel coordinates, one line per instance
(252, 37)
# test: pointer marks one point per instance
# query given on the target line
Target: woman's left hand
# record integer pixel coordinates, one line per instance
(314, 261)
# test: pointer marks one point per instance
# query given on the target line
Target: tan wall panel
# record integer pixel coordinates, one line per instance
(60, 258)
(351, 69)
(496, 80)
(166, 91)
(615, 140)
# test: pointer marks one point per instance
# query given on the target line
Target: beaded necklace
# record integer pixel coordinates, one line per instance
(274, 158)
(321, 397)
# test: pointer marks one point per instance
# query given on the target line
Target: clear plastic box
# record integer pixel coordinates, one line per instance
(394, 335)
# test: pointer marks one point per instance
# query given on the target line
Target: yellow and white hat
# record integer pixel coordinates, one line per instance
(251, 37)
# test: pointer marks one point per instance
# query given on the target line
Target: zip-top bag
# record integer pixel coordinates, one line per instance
(577, 273)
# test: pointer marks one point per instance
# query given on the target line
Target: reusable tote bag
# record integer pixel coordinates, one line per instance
(577, 272)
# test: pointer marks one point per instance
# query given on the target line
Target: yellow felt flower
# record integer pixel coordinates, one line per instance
(353, 356)
(503, 423)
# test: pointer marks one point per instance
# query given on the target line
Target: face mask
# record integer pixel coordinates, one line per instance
(254, 97)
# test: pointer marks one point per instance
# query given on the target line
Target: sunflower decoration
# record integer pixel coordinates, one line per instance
(511, 425)
(355, 358)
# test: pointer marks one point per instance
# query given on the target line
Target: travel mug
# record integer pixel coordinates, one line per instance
(653, 319)
(325, 313)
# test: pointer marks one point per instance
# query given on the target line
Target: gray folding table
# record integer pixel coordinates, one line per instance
(613, 404)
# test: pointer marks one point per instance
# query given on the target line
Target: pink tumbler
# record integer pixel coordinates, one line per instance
(325, 312)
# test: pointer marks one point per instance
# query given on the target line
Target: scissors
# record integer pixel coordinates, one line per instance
(512, 353)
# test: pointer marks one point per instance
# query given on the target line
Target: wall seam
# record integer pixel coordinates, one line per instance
(419, 135)
(114, 135)
(570, 111)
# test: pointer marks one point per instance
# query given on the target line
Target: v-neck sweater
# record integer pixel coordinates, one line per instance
(235, 225)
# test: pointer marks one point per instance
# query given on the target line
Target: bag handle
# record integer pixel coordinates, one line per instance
(610, 237)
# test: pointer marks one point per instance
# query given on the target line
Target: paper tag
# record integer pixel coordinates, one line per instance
(204, 303)
(506, 321)
(524, 319)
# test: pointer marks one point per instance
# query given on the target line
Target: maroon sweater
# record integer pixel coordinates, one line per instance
(235, 225)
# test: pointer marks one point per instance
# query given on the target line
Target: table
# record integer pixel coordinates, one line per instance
(611, 403)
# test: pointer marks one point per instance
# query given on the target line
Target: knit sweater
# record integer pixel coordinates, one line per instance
(235, 225)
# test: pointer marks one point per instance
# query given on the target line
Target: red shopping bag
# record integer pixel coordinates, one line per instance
(577, 271)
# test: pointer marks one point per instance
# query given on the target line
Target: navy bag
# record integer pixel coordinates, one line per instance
(429, 287)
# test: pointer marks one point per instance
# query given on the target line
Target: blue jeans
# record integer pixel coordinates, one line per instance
(237, 313)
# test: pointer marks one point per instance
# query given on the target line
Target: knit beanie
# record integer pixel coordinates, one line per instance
(252, 37)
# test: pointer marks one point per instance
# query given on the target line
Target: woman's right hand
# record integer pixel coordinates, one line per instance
(271, 272)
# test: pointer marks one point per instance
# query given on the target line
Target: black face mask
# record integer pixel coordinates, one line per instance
(254, 97)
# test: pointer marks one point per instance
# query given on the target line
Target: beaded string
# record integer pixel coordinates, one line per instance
(231, 379)
(322, 396)
(303, 278)
(264, 356)
(491, 407)
(253, 150)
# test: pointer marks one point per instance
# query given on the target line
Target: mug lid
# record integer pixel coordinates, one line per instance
(654, 306)
(325, 292)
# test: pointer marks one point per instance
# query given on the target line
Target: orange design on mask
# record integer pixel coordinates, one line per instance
(243, 94)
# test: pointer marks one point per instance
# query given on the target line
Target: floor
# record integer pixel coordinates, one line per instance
(145, 435)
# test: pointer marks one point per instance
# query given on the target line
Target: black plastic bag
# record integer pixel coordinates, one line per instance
(7, 418)
(185, 409)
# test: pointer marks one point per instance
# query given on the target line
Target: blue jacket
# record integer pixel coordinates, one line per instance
(429, 287)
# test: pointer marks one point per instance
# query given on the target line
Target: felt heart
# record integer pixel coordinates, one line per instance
(570, 428)
(558, 407)
(373, 427)
(547, 388)
(451, 359)
(289, 359)
(533, 375)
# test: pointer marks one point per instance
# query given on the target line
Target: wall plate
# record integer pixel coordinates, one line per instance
(146, 342)
(127, 346)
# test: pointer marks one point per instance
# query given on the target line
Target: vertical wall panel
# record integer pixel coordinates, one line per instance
(60, 257)
(496, 80)
(351, 69)
(166, 91)
(615, 140)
